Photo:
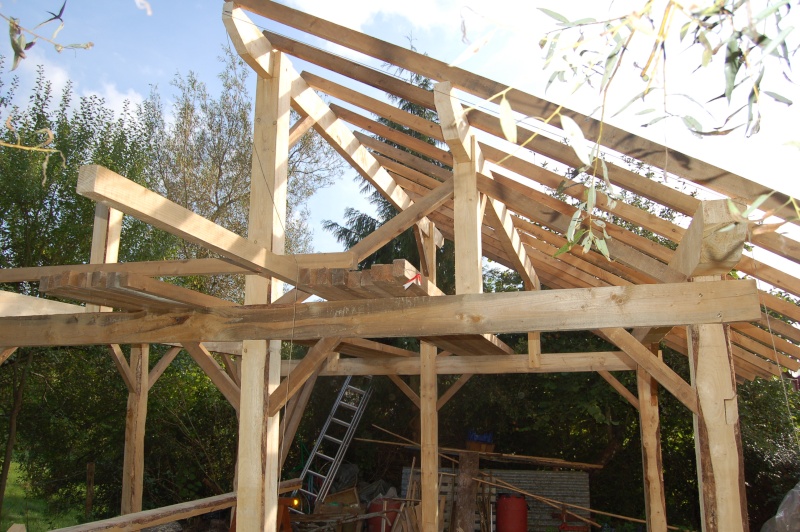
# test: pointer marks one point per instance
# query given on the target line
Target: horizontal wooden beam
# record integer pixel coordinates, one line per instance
(480, 364)
(158, 516)
(549, 310)
(14, 304)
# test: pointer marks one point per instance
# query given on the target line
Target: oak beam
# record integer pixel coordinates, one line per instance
(452, 390)
(14, 304)
(105, 241)
(313, 360)
(496, 313)
(135, 418)
(429, 439)
(162, 365)
(652, 462)
(212, 369)
(247, 40)
(6, 352)
(406, 389)
(619, 387)
(123, 368)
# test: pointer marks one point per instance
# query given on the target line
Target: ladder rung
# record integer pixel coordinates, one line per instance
(325, 457)
(348, 405)
(314, 473)
(301, 490)
(340, 422)
(354, 389)
(331, 438)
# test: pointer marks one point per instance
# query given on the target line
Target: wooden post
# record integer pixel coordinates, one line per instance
(466, 492)
(259, 440)
(652, 465)
(106, 235)
(133, 462)
(429, 441)
(89, 490)
(718, 444)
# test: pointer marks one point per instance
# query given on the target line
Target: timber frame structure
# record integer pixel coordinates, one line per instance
(647, 294)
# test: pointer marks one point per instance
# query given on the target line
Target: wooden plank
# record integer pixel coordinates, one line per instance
(405, 219)
(151, 288)
(497, 313)
(294, 414)
(480, 364)
(315, 357)
(718, 446)
(162, 365)
(123, 368)
(300, 128)
(106, 234)
(406, 389)
(6, 352)
(652, 462)
(655, 367)
(617, 139)
(14, 304)
(333, 130)
(429, 439)
(158, 516)
(247, 40)
(619, 387)
(135, 418)
(452, 390)
(210, 367)
(109, 188)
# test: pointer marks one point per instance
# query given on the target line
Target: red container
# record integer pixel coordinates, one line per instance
(512, 513)
(378, 523)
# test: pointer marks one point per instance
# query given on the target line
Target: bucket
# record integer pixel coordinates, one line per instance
(512, 513)
(378, 523)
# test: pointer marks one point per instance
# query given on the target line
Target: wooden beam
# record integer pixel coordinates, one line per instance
(6, 352)
(123, 368)
(652, 463)
(452, 390)
(158, 516)
(313, 360)
(655, 367)
(617, 139)
(109, 188)
(619, 387)
(294, 414)
(14, 304)
(480, 365)
(247, 40)
(162, 365)
(406, 389)
(405, 219)
(723, 503)
(300, 128)
(135, 418)
(429, 439)
(105, 241)
(221, 380)
(333, 130)
(466, 491)
(497, 313)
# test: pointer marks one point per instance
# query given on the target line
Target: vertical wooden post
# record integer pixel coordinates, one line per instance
(133, 462)
(106, 235)
(89, 490)
(467, 221)
(429, 441)
(259, 437)
(650, 430)
(718, 444)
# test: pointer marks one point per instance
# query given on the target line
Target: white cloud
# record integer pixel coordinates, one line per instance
(114, 99)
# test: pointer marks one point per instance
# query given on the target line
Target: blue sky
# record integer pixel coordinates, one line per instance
(133, 51)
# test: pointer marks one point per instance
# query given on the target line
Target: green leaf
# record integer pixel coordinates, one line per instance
(591, 195)
(611, 64)
(692, 124)
(602, 247)
(773, 44)
(553, 14)
(767, 11)
(777, 97)
(756, 204)
(733, 62)
(641, 96)
(507, 122)
(655, 121)
(576, 139)
(646, 111)
(550, 81)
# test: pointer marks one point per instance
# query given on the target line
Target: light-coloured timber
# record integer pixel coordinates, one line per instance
(429, 439)
(655, 367)
(617, 139)
(109, 188)
(480, 364)
(452, 390)
(6, 352)
(295, 408)
(315, 357)
(123, 368)
(135, 417)
(406, 389)
(13, 304)
(652, 462)
(212, 369)
(619, 387)
(158, 516)
(300, 128)
(549, 310)
(162, 365)
(106, 235)
(247, 40)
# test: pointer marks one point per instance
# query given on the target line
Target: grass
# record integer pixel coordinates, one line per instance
(19, 508)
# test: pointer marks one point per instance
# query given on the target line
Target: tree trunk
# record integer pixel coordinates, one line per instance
(12, 427)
